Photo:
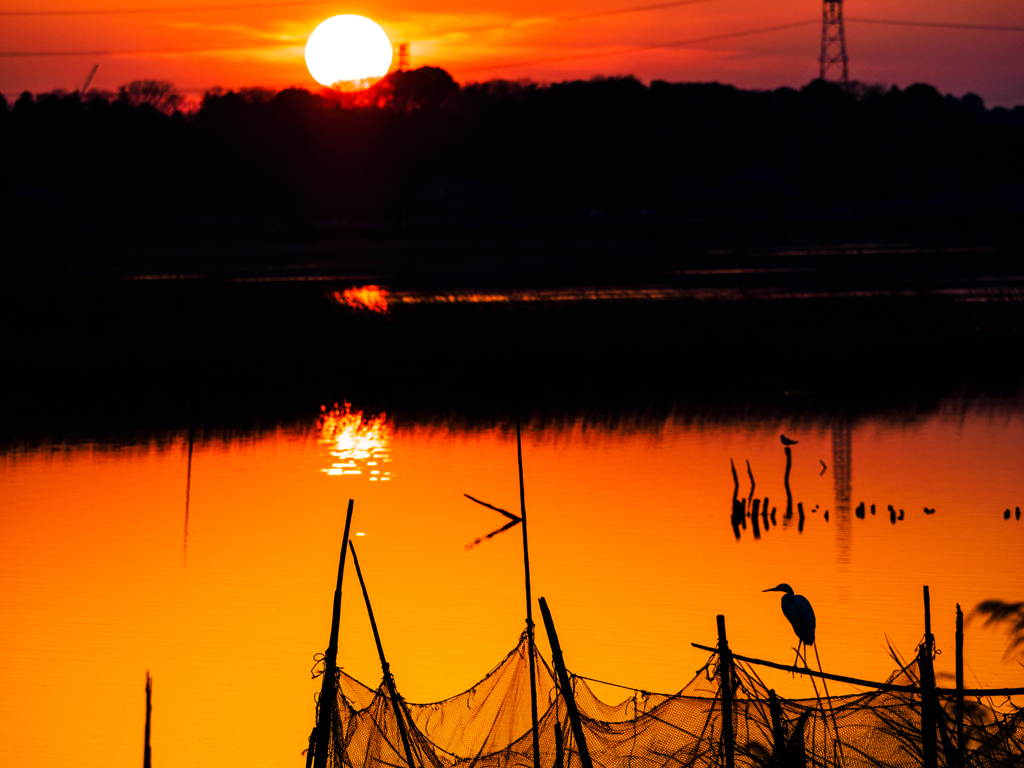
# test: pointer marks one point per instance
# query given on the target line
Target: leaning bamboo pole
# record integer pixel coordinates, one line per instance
(389, 680)
(568, 695)
(865, 683)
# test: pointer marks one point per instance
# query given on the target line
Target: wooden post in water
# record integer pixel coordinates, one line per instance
(789, 493)
(960, 747)
(389, 681)
(530, 641)
(929, 751)
(567, 691)
(328, 691)
(147, 755)
(725, 681)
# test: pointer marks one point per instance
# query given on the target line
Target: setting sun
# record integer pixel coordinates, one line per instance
(350, 52)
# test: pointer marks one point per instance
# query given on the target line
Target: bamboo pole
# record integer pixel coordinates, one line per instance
(312, 748)
(929, 752)
(328, 691)
(568, 696)
(147, 755)
(865, 683)
(960, 747)
(389, 681)
(778, 735)
(725, 682)
(530, 640)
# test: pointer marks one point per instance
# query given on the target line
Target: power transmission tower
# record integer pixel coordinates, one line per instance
(403, 56)
(833, 40)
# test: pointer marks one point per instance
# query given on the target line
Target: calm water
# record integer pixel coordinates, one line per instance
(630, 543)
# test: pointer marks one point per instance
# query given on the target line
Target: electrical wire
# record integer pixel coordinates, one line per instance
(185, 9)
(936, 24)
(638, 48)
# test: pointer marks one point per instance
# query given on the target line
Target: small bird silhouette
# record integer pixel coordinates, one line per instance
(787, 441)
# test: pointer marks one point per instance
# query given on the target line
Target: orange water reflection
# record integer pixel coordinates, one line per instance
(630, 542)
(358, 444)
(368, 297)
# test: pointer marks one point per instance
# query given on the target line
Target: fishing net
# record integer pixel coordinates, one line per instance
(489, 726)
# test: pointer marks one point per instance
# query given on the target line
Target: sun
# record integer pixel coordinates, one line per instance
(349, 52)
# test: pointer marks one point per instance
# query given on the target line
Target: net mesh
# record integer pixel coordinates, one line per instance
(489, 725)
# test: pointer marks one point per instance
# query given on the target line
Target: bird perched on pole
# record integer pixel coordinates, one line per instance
(788, 440)
(797, 609)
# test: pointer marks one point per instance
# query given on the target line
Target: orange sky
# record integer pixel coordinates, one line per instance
(197, 49)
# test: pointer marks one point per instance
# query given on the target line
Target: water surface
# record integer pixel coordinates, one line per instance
(630, 542)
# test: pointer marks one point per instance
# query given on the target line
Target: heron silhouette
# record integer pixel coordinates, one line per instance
(798, 610)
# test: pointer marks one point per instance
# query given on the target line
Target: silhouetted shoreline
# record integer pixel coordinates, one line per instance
(420, 147)
(161, 270)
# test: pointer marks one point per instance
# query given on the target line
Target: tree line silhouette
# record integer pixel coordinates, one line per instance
(419, 145)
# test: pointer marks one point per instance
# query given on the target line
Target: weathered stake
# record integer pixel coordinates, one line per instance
(147, 755)
(567, 692)
(778, 735)
(960, 746)
(929, 752)
(389, 681)
(312, 748)
(725, 681)
(789, 493)
(328, 693)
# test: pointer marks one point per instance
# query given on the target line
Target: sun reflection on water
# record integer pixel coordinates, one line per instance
(359, 444)
(370, 297)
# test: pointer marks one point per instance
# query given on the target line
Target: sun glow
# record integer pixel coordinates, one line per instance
(348, 52)
(357, 444)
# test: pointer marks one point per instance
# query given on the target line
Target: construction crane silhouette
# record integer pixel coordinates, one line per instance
(833, 41)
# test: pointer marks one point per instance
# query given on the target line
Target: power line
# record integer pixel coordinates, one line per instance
(299, 3)
(638, 48)
(569, 17)
(145, 52)
(575, 17)
(185, 9)
(938, 24)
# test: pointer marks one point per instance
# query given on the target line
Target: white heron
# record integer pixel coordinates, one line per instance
(798, 610)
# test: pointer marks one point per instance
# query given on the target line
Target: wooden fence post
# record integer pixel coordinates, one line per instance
(725, 681)
(960, 747)
(929, 751)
